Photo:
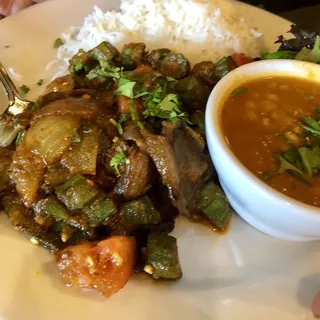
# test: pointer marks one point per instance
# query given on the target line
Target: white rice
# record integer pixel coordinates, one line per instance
(201, 29)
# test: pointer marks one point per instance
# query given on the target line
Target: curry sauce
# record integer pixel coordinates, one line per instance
(263, 122)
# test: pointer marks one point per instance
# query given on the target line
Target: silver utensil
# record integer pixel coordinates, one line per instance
(17, 105)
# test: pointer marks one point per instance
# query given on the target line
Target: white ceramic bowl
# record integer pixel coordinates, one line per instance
(260, 205)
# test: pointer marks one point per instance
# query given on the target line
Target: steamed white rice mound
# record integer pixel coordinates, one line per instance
(201, 30)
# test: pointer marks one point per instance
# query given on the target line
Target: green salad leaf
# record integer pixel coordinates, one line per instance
(310, 55)
(280, 55)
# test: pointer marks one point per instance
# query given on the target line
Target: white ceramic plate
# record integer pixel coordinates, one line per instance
(243, 275)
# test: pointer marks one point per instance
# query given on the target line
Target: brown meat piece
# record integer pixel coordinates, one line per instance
(138, 176)
(188, 148)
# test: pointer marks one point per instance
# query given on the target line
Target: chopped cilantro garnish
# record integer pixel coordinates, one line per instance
(40, 82)
(123, 118)
(238, 91)
(166, 108)
(119, 159)
(58, 43)
(127, 51)
(170, 79)
(126, 88)
(285, 165)
(303, 163)
(311, 125)
(24, 89)
(134, 113)
(78, 66)
(310, 158)
(117, 125)
(104, 70)
(76, 136)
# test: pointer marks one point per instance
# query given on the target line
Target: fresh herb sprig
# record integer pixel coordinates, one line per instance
(119, 159)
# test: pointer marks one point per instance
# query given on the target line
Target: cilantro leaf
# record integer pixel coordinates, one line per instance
(128, 88)
(170, 79)
(287, 166)
(127, 51)
(134, 113)
(167, 107)
(117, 125)
(123, 118)
(40, 82)
(292, 156)
(58, 43)
(104, 70)
(78, 66)
(119, 159)
(238, 91)
(310, 158)
(133, 110)
(310, 125)
(24, 89)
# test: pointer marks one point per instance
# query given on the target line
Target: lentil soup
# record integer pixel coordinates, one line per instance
(271, 125)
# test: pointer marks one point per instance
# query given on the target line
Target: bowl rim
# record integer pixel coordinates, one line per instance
(214, 129)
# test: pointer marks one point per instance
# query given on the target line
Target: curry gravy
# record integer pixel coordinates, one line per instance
(262, 119)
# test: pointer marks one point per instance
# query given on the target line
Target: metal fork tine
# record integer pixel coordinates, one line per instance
(7, 83)
(17, 105)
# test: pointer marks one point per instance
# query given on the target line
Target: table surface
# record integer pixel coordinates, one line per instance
(308, 16)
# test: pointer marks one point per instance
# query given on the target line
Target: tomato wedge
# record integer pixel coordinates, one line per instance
(105, 266)
(240, 59)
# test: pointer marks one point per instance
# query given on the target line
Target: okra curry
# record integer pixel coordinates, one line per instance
(272, 126)
(98, 169)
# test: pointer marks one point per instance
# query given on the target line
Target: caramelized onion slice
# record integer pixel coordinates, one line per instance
(27, 171)
(83, 108)
(51, 136)
(82, 158)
